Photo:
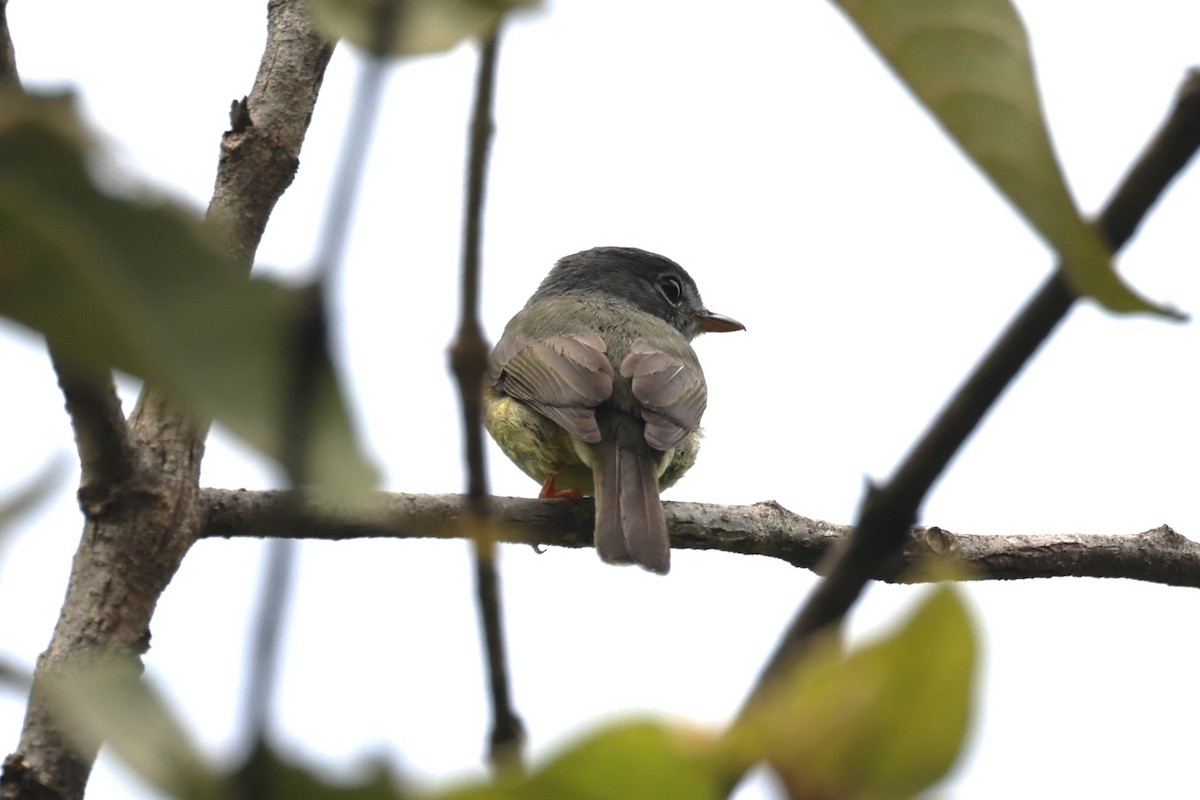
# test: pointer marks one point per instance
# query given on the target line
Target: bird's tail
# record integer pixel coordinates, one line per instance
(630, 526)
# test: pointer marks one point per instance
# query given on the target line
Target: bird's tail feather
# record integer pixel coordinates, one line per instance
(629, 517)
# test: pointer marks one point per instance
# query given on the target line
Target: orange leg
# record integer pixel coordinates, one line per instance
(552, 492)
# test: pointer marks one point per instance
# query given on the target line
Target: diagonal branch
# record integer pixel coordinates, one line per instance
(1159, 555)
(261, 152)
(108, 458)
(889, 510)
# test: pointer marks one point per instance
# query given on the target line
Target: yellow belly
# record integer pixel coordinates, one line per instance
(540, 447)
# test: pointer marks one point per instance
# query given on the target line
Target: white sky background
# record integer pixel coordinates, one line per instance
(765, 148)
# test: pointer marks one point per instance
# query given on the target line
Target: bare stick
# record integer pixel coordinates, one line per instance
(309, 352)
(468, 359)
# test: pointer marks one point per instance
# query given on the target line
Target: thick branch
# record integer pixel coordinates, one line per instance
(768, 529)
(133, 543)
(261, 152)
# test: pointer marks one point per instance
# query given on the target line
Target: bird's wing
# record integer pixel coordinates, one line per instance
(671, 392)
(562, 377)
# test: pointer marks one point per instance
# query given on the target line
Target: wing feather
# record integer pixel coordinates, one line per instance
(671, 392)
(563, 377)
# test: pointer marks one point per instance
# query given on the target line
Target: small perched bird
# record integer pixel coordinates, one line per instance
(595, 389)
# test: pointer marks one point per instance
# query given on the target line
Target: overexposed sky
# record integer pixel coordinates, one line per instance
(765, 148)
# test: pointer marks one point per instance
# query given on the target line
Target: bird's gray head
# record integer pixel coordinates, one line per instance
(653, 283)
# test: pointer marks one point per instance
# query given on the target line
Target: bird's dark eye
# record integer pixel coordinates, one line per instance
(671, 288)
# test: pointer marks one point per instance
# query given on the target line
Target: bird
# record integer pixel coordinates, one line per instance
(594, 389)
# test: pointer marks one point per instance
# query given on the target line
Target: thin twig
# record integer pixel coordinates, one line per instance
(277, 571)
(254, 172)
(890, 510)
(347, 178)
(310, 352)
(14, 677)
(469, 352)
(468, 358)
(1165, 156)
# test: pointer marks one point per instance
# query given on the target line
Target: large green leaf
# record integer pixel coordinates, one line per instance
(416, 26)
(968, 62)
(885, 721)
(138, 285)
(628, 761)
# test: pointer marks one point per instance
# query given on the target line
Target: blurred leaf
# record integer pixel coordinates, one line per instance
(627, 761)
(968, 61)
(111, 703)
(417, 26)
(885, 721)
(25, 499)
(13, 507)
(141, 286)
(277, 779)
(14, 677)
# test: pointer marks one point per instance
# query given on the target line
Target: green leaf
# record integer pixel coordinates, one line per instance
(110, 703)
(416, 26)
(968, 62)
(885, 721)
(141, 286)
(627, 761)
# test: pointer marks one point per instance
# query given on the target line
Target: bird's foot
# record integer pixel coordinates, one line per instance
(552, 492)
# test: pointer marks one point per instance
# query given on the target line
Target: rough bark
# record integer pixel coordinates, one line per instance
(1159, 555)
(141, 517)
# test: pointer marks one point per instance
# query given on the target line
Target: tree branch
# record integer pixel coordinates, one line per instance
(261, 151)
(889, 510)
(8, 55)
(132, 545)
(468, 361)
(110, 462)
(1159, 555)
